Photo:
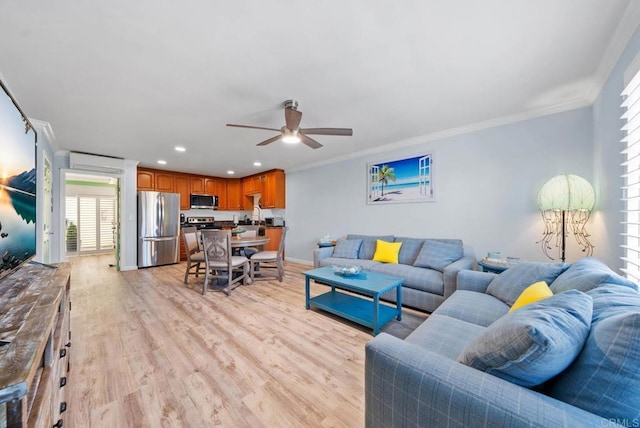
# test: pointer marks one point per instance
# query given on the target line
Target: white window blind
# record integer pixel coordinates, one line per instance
(631, 177)
(107, 222)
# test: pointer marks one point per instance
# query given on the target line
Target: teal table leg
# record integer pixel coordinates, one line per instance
(306, 291)
(376, 306)
(399, 302)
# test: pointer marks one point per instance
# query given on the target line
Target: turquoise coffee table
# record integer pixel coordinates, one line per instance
(363, 311)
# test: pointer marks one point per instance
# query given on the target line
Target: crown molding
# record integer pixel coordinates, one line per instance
(44, 128)
(628, 25)
(465, 129)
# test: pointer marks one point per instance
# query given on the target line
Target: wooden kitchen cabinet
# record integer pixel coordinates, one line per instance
(234, 194)
(146, 180)
(164, 181)
(182, 185)
(270, 185)
(274, 234)
(218, 187)
(252, 185)
(183, 250)
(273, 190)
(197, 185)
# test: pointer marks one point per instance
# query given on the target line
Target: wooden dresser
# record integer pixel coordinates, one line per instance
(34, 320)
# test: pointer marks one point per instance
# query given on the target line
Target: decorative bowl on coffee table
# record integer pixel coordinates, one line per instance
(348, 271)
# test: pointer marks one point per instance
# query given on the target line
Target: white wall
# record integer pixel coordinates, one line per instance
(487, 185)
(129, 220)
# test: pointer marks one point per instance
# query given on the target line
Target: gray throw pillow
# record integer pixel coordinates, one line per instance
(511, 283)
(535, 343)
(409, 250)
(347, 248)
(438, 255)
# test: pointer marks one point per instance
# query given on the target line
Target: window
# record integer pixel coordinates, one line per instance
(631, 177)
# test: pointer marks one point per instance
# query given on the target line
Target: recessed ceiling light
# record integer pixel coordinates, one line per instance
(180, 149)
(162, 162)
(257, 164)
(231, 172)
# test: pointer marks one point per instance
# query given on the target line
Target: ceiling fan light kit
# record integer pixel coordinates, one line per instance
(291, 132)
(290, 137)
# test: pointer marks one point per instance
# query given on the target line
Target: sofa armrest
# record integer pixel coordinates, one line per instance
(472, 280)
(450, 274)
(406, 385)
(321, 253)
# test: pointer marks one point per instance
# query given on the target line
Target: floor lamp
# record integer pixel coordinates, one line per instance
(566, 202)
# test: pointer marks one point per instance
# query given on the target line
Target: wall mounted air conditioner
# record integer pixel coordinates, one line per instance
(95, 163)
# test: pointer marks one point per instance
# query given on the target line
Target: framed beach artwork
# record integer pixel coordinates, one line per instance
(401, 180)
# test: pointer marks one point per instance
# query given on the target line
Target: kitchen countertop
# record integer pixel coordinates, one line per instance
(223, 224)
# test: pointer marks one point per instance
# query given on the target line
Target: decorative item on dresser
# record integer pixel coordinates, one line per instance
(35, 340)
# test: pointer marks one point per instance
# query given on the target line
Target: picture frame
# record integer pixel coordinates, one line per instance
(402, 180)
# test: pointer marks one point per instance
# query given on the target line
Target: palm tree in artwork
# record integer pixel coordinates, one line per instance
(385, 173)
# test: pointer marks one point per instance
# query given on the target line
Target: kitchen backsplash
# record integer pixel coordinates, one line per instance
(228, 215)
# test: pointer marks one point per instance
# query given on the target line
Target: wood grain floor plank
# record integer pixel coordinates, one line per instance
(151, 351)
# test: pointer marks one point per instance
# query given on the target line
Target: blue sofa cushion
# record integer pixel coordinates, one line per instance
(535, 343)
(368, 248)
(585, 274)
(337, 261)
(409, 250)
(347, 248)
(444, 335)
(611, 299)
(604, 378)
(511, 283)
(477, 308)
(437, 254)
(428, 280)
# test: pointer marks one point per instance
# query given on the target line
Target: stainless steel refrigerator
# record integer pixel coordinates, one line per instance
(158, 228)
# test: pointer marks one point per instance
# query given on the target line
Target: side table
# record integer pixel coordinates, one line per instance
(326, 244)
(490, 267)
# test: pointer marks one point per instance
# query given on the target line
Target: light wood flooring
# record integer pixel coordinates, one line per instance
(148, 351)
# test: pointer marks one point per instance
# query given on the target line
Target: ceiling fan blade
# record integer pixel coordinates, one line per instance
(292, 118)
(309, 141)
(252, 127)
(328, 131)
(270, 140)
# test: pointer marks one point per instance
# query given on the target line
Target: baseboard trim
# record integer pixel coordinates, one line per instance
(301, 261)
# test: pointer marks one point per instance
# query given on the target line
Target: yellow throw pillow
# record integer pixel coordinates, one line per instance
(537, 291)
(387, 252)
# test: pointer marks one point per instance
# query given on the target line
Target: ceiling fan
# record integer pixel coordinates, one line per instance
(291, 131)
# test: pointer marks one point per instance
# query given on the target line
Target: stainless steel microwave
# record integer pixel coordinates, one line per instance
(274, 221)
(204, 202)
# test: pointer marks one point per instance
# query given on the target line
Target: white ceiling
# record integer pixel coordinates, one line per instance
(133, 79)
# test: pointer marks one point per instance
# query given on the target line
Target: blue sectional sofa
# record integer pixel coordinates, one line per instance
(429, 266)
(568, 360)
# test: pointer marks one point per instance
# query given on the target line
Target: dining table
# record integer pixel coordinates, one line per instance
(242, 242)
(254, 241)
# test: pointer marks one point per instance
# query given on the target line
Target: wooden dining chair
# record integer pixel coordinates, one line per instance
(228, 270)
(195, 256)
(269, 263)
